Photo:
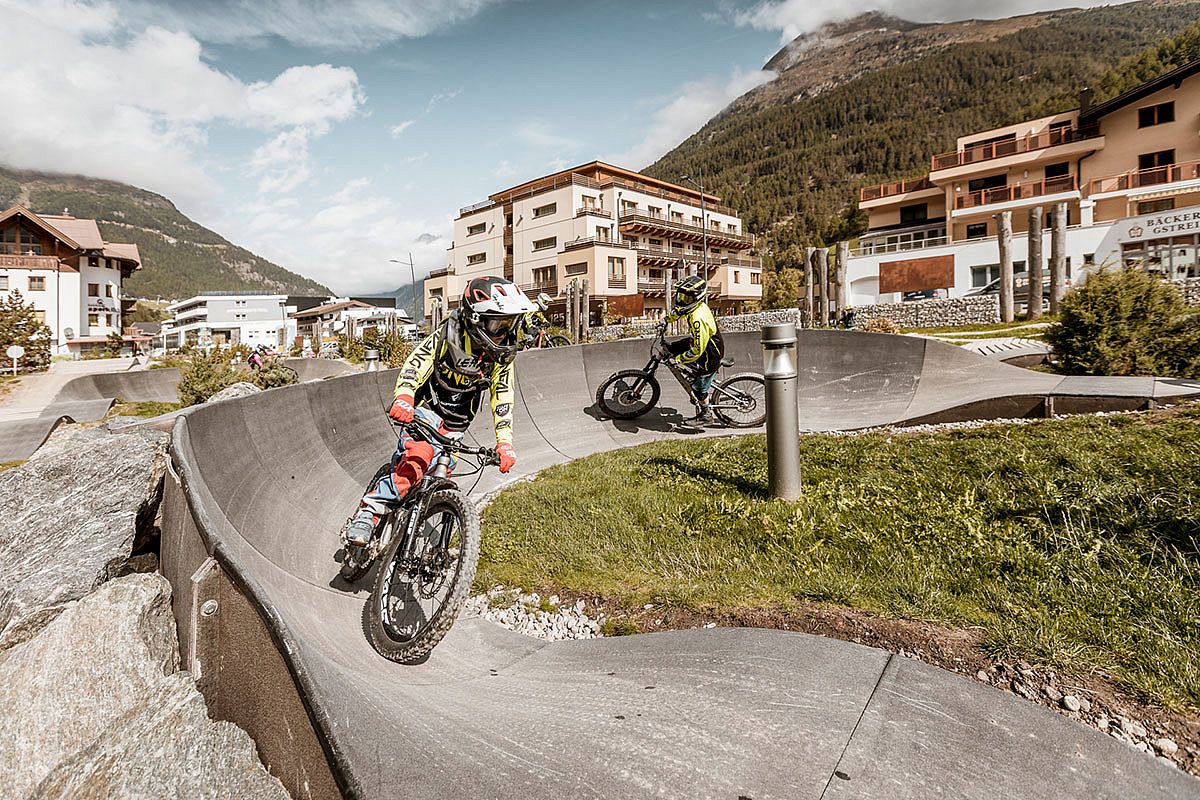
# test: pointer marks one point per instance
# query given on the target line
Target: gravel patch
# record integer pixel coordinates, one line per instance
(534, 615)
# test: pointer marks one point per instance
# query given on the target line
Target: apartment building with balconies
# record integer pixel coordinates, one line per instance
(73, 278)
(619, 230)
(1126, 168)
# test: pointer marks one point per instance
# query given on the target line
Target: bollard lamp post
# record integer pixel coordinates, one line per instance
(783, 420)
(372, 358)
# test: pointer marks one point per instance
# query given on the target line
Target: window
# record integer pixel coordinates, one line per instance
(676, 216)
(1059, 170)
(94, 261)
(628, 207)
(112, 320)
(93, 290)
(655, 242)
(616, 267)
(8, 241)
(545, 244)
(737, 276)
(1155, 206)
(543, 277)
(654, 211)
(977, 230)
(990, 182)
(477, 228)
(3, 283)
(545, 211)
(983, 275)
(677, 246)
(715, 225)
(94, 320)
(918, 212)
(477, 258)
(37, 283)
(1163, 158)
(732, 228)
(697, 221)
(755, 278)
(576, 269)
(1156, 115)
(602, 233)
(697, 248)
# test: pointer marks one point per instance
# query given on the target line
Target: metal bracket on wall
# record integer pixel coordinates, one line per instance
(205, 609)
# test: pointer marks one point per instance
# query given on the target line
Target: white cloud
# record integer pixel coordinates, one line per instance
(83, 94)
(441, 97)
(316, 244)
(540, 134)
(344, 25)
(695, 104)
(795, 17)
(397, 130)
(505, 170)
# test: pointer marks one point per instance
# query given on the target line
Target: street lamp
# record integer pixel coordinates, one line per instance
(412, 271)
(703, 215)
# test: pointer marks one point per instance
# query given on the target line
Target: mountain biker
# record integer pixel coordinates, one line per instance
(442, 382)
(535, 320)
(701, 352)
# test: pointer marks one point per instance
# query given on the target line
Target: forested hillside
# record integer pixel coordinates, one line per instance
(179, 256)
(792, 162)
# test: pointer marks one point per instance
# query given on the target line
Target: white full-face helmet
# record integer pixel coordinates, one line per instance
(491, 312)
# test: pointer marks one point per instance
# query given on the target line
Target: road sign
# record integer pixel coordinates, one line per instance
(15, 352)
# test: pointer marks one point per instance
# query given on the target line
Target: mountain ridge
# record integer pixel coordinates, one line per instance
(180, 257)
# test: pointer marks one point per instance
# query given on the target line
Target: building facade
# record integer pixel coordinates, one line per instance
(349, 316)
(1126, 168)
(220, 319)
(621, 231)
(73, 278)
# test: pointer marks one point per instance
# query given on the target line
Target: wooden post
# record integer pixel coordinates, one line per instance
(570, 309)
(1058, 256)
(1033, 266)
(668, 289)
(823, 283)
(1004, 238)
(809, 255)
(843, 293)
(585, 311)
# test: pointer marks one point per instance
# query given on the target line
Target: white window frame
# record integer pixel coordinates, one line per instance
(545, 211)
(476, 259)
(549, 243)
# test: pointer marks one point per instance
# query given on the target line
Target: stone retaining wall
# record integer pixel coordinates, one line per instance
(979, 310)
(735, 323)
(1191, 290)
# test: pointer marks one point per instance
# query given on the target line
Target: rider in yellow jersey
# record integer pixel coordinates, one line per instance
(442, 382)
(701, 352)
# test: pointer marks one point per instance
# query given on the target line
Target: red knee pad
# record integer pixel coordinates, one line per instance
(411, 467)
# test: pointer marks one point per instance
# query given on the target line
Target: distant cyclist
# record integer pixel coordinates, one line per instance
(702, 350)
(442, 383)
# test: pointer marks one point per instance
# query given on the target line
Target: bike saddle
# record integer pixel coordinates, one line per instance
(726, 362)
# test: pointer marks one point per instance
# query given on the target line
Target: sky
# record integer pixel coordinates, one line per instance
(331, 137)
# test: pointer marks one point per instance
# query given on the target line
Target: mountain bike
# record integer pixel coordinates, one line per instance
(540, 338)
(427, 548)
(738, 401)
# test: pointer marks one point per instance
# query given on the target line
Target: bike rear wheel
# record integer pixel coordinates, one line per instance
(422, 585)
(741, 401)
(628, 394)
(557, 340)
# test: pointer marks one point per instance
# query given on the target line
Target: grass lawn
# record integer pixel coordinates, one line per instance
(145, 409)
(1070, 542)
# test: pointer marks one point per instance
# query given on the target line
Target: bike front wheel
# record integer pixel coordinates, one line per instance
(423, 582)
(741, 401)
(628, 394)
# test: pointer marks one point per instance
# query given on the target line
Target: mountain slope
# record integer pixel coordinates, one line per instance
(179, 256)
(872, 99)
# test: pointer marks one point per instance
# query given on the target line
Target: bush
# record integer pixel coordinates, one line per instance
(879, 325)
(205, 375)
(19, 325)
(273, 375)
(1124, 322)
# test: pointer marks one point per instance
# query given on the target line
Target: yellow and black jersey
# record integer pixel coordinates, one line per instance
(707, 347)
(444, 375)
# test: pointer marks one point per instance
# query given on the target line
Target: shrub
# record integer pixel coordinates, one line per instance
(205, 375)
(19, 325)
(879, 325)
(1124, 322)
(273, 375)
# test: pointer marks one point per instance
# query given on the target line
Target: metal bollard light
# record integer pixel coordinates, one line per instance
(783, 419)
(372, 359)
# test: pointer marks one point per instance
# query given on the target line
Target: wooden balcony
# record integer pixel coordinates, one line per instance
(894, 188)
(1142, 178)
(593, 241)
(595, 211)
(987, 151)
(1019, 191)
(537, 287)
(29, 262)
(656, 223)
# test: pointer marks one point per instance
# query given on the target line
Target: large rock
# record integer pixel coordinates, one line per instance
(86, 669)
(239, 389)
(165, 747)
(70, 517)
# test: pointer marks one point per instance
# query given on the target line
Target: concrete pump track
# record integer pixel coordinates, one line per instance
(260, 487)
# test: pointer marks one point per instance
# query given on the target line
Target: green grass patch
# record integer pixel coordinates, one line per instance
(144, 409)
(1071, 542)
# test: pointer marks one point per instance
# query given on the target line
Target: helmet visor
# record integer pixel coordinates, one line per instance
(498, 326)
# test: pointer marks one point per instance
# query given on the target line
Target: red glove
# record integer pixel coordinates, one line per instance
(402, 409)
(508, 457)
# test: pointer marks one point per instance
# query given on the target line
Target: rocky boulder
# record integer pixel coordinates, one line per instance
(165, 747)
(239, 389)
(71, 515)
(67, 685)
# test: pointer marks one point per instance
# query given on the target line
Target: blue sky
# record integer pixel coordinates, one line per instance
(332, 136)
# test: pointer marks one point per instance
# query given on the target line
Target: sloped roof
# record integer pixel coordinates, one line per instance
(45, 225)
(1174, 77)
(85, 232)
(330, 308)
(123, 251)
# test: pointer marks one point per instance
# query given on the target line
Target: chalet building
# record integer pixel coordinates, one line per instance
(620, 230)
(1128, 170)
(73, 278)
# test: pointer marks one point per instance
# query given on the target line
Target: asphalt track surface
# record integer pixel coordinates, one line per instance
(89, 397)
(724, 713)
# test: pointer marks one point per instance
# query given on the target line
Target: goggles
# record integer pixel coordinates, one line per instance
(497, 326)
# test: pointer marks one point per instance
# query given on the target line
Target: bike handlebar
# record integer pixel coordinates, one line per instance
(424, 429)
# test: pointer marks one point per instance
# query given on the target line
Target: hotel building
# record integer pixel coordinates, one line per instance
(73, 278)
(620, 230)
(1127, 169)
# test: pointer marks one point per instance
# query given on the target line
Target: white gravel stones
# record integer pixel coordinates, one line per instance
(1166, 746)
(534, 615)
(1071, 703)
